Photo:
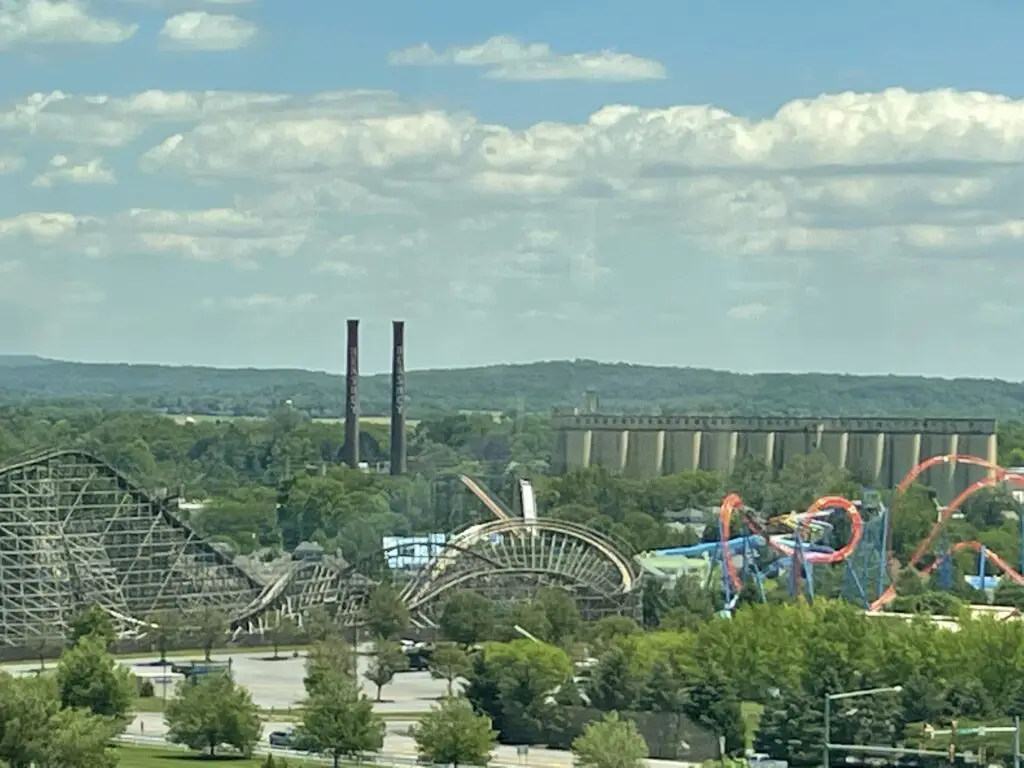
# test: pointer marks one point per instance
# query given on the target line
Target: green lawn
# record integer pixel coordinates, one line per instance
(191, 654)
(751, 714)
(145, 757)
(154, 757)
(180, 419)
(156, 704)
(151, 703)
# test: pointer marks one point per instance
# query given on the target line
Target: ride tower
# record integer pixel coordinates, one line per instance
(746, 548)
(800, 571)
(867, 570)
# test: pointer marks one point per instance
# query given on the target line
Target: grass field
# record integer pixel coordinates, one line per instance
(150, 757)
(181, 418)
(750, 711)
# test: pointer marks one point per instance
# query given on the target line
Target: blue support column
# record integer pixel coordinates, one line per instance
(883, 555)
(1020, 517)
(981, 569)
(724, 552)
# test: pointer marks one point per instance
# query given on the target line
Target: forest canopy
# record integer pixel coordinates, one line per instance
(534, 387)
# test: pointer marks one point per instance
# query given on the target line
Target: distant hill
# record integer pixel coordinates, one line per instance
(538, 386)
(22, 361)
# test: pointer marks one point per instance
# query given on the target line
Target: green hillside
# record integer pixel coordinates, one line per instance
(538, 386)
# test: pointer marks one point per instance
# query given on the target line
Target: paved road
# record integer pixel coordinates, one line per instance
(277, 685)
(398, 748)
(396, 743)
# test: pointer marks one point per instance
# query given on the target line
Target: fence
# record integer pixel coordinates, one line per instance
(669, 736)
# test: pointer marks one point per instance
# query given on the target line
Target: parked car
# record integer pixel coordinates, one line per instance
(280, 739)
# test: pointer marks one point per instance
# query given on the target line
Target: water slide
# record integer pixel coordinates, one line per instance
(529, 500)
(991, 556)
(995, 476)
(788, 546)
(490, 500)
(735, 545)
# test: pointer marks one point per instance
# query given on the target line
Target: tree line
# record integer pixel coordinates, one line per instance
(534, 387)
(270, 484)
(756, 680)
(70, 718)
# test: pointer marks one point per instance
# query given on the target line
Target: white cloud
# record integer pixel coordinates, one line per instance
(506, 58)
(43, 227)
(111, 121)
(10, 164)
(260, 302)
(162, 4)
(752, 311)
(853, 212)
(203, 31)
(28, 22)
(63, 171)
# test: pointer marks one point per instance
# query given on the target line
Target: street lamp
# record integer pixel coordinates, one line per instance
(830, 697)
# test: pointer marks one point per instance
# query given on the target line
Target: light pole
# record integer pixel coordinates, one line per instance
(830, 697)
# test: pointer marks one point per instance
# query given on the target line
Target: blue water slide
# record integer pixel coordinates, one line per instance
(710, 547)
(735, 545)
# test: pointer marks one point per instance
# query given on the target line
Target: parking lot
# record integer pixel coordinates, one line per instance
(278, 684)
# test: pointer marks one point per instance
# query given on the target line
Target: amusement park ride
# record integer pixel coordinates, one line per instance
(87, 534)
(867, 555)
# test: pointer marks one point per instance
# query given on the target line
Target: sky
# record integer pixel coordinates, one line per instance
(770, 185)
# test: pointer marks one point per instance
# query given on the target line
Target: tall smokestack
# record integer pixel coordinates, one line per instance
(398, 398)
(352, 396)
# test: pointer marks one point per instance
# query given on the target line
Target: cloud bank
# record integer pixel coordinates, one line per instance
(862, 212)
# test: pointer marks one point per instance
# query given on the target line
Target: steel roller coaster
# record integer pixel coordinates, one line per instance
(75, 531)
(795, 548)
(798, 552)
(996, 475)
(506, 560)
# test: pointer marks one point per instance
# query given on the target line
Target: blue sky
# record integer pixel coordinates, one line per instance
(743, 185)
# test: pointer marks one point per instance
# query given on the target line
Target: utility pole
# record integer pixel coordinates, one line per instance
(829, 698)
(953, 731)
(828, 736)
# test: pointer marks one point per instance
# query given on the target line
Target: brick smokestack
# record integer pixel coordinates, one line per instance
(352, 396)
(398, 456)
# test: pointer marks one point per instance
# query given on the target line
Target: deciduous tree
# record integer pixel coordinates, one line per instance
(468, 618)
(165, 631)
(317, 625)
(92, 621)
(340, 720)
(326, 658)
(449, 662)
(386, 614)
(453, 734)
(211, 625)
(388, 660)
(76, 739)
(512, 683)
(90, 678)
(284, 630)
(212, 711)
(610, 743)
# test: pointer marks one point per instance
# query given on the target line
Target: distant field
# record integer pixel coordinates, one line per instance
(180, 418)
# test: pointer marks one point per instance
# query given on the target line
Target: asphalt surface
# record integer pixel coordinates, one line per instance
(277, 685)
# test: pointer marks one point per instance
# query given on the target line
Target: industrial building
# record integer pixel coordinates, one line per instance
(878, 452)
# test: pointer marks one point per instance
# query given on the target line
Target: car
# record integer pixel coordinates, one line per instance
(280, 739)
